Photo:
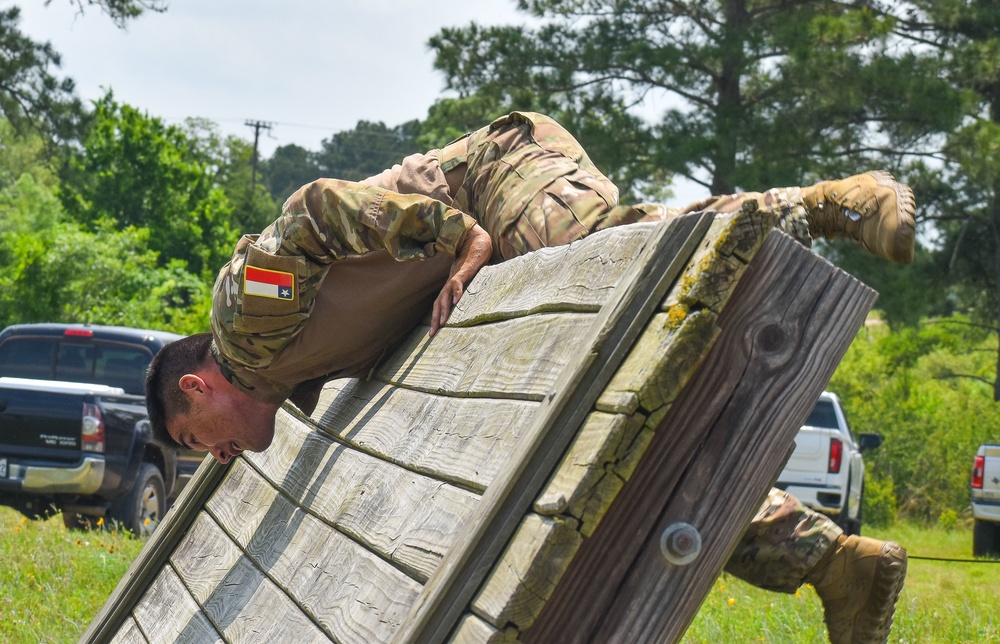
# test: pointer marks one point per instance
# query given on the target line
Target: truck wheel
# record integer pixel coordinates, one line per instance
(986, 539)
(142, 508)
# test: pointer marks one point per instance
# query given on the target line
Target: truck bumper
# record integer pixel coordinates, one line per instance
(986, 510)
(827, 500)
(86, 478)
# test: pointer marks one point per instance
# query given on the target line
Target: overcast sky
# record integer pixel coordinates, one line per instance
(311, 68)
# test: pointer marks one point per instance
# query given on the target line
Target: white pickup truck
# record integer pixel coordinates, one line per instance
(986, 502)
(826, 471)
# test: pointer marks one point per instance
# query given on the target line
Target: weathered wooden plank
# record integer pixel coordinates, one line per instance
(679, 337)
(472, 630)
(351, 593)
(719, 263)
(590, 475)
(784, 330)
(148, 564)
(662, 361)
(234, 593)
(129, 633)
(464, 441)
(528, 571)
(168, 613)
(520, 358)
(505, 503)
(405, 517)
(577, 277)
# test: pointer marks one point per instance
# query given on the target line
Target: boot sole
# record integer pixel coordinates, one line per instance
(889, 576)
(905, 224)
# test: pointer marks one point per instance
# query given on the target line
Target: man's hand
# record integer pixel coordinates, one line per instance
(472, 255)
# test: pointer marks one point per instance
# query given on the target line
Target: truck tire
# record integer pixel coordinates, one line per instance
(986, 539)
(141, 509)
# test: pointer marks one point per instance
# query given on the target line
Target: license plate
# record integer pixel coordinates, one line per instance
(3, 468)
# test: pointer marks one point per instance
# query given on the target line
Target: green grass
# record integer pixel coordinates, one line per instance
(941, 601)
(54, 581)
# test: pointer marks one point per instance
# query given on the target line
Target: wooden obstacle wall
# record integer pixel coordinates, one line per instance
(512, 478)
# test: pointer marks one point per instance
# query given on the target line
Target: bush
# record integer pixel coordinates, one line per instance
(879, 502)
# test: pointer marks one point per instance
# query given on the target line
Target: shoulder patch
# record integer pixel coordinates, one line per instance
(264, 282)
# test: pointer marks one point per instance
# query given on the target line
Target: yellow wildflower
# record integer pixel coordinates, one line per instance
(731, 601)
(100, 522)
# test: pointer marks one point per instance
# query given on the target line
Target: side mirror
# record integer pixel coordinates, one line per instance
(869, 441)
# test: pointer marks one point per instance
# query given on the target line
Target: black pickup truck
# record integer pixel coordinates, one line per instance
(74, 436)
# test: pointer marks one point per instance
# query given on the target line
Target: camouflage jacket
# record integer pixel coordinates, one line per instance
(263, 297)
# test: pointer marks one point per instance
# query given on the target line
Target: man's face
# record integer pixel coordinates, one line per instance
(225, 430)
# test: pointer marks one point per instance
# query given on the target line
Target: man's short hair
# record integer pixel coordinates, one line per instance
(164, 398)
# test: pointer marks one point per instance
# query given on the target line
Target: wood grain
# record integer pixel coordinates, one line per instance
(598, 354)
(235, 594)
(465, 441)
(519, 359)
(353, 594)
(783, 332)
(129, 633)
(577, 277)
(404, 517)
(528, 571)
(168, 613)
(588, 478)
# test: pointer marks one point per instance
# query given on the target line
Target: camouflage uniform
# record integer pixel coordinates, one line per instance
(530, 184)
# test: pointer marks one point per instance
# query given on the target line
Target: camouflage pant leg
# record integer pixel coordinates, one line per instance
(784, 542)
(786, 201)
(530, 184)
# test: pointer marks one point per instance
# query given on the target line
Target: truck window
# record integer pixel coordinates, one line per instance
(75, 362)
(28, 358)
(823, 415)
(119, 366)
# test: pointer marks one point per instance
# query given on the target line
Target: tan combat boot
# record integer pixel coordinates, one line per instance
(871, 209)
(859, 580)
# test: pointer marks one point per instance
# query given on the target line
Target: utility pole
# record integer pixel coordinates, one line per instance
(257, 127)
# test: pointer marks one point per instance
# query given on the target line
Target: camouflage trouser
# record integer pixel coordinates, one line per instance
(784, 542)
(530, 184)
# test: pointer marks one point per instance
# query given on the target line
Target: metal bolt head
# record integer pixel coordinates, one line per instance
(680, 543)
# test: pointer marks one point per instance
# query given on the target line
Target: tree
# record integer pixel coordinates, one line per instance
(31, 97)
(963, 36)
(290, 167)
(229, 160)
(135, 171)
(757, 93)
(366, 150)
(120, 11)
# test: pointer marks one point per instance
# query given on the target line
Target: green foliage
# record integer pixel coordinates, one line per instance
(366, 150)
(56, 271)
(230, 159)
(289, 168)
(880, 501)
(135, 171)
(750, 94)
(927, 391)
(31, 96)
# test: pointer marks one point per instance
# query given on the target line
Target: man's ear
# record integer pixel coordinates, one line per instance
(192, 384)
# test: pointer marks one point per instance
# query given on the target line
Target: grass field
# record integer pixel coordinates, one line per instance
(53, 582)
(941, 601)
